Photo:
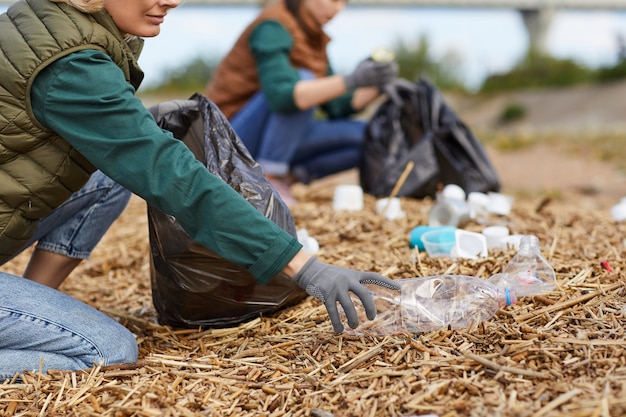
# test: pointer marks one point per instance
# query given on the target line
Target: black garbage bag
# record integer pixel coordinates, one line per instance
(415, 124)
(191, 285)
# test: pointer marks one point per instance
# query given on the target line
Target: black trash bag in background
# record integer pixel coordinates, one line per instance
(191, 285)
(415, 124)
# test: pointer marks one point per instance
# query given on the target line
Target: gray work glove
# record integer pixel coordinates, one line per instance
(331, 284)
(370, 73)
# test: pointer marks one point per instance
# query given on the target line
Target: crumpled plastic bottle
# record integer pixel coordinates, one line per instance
(528, 272)
(432, 303)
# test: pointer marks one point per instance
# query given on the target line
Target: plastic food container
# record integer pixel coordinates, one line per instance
(415, 237)
(439, 243)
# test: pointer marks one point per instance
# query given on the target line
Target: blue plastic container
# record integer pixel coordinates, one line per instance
(415, 237)
(439, 243)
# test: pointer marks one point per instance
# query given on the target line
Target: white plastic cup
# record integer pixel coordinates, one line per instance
(499, 203)
(394, 210)
(453, 191)
(449, 212)
(512, 241)
(494, 235)
(618, 211)
(309, 244)
(477, 203)
(348, 197)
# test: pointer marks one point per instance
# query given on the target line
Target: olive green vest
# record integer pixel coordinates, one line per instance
(38, 169)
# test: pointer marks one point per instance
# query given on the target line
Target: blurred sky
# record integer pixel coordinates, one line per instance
(486, 40)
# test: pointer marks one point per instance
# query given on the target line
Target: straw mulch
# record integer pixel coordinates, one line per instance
(559, 354)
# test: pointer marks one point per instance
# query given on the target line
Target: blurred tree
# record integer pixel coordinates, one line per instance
(415, 62)
(188, 78)
(537, 70)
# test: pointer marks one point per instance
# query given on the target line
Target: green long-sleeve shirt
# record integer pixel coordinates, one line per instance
(270, 44)
(86, 100)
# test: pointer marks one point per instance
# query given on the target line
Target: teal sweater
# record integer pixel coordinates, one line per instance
(86, 100)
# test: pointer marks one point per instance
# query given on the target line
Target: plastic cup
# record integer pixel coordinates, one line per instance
(494, 235)
(453, 191)
(394, 210)
(449, 212)
(439, 243)
(415, 237)
(477, 203)
(618, 211)
(348, 197)
(500, 203)
(470, 245)
(511, 242)
(309, 244)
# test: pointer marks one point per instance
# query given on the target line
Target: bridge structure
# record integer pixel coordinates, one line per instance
(536, 14)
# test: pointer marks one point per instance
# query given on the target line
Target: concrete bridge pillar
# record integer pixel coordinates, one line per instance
(537, 22)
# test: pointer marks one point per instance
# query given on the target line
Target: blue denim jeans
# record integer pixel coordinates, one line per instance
(297, 142)
(40, 325)
(76, 226)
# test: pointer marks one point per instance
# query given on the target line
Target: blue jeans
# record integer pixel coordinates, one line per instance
(41, 325)
(297, 142)
(75, 227)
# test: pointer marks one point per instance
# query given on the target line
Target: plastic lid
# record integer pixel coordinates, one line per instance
(510, 296)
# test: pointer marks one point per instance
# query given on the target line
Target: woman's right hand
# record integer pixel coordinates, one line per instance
(370, 73)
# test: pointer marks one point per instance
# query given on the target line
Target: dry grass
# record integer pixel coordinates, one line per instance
(560, 354)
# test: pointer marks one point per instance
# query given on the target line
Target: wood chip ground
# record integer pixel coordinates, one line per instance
(559, 354)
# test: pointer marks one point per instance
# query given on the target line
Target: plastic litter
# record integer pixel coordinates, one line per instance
(453, 191)
(478, 204)
(439, 243)
(415, 236)
(348, 197)
(499, 203)
(618, 211)
(528, 272)
(511, 242)
(432, 303)
(469, 245)
(495, 235)
(392, 208)
(449, 212)
(309, 244)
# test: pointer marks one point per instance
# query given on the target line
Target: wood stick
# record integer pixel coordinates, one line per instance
(396, 188)
(569, 303)
(509, 369)
(361, 358)
(558, 402)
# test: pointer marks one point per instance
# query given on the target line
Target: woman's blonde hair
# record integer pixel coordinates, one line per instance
(87, 6)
